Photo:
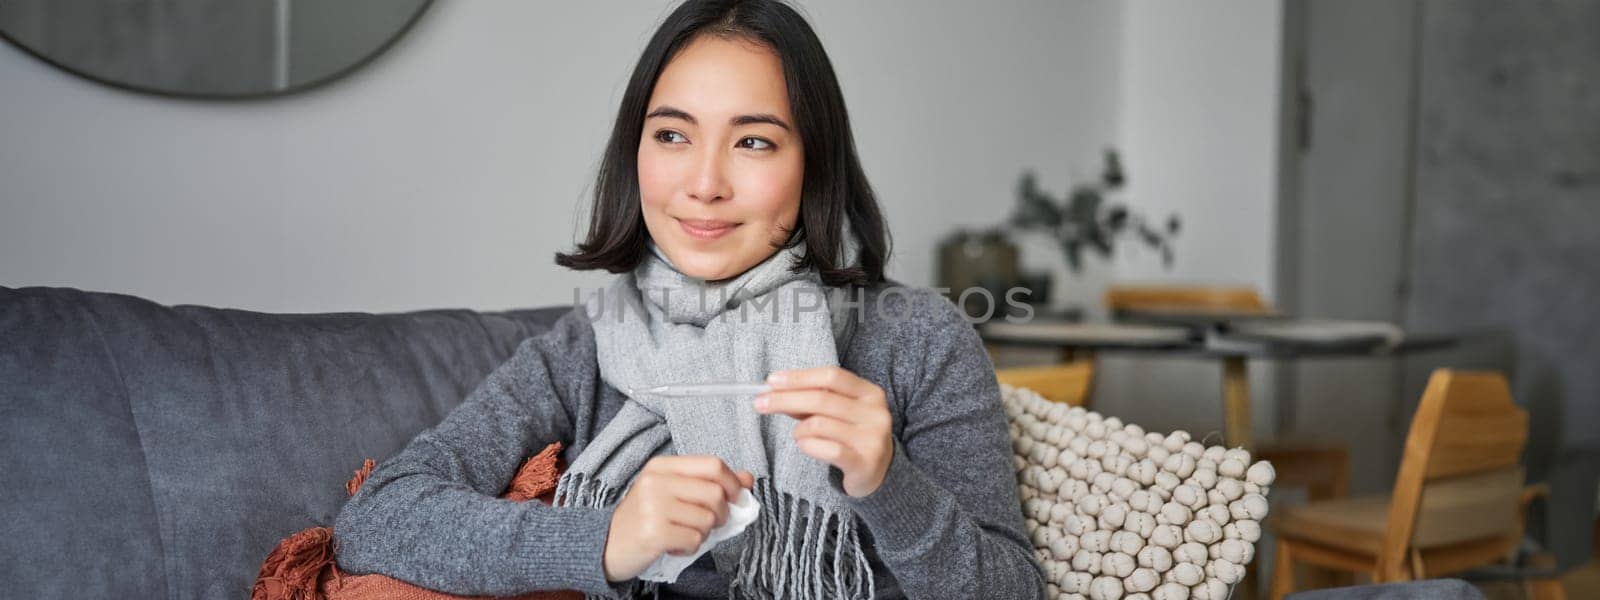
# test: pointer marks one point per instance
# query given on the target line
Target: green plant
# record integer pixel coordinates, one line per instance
(1084, 219)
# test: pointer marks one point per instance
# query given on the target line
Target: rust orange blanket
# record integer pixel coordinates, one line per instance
(302, 566)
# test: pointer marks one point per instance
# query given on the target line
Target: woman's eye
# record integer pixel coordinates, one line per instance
(669, 137)
(755, 143)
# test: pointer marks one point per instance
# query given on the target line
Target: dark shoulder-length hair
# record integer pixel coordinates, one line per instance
(834, 189)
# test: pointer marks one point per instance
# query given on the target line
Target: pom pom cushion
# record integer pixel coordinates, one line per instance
(1116, 512)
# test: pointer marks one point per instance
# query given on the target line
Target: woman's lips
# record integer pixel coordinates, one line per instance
(706, 229)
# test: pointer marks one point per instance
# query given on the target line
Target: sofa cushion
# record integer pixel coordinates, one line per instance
(1427, 589)
(162, 451)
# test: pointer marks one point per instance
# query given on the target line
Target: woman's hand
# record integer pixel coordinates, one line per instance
(673, 505)
(844, 421)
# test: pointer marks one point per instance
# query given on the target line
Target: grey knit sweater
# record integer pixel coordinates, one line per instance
(946, 523)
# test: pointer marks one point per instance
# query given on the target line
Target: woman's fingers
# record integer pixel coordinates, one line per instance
(679, 540)
(694, 515)
(845, 421)
(831, 378)
(671, 507)
(831, 452)
(806, 402)
(701, 493)
(823, 426)
(848, 444)
(709, 468)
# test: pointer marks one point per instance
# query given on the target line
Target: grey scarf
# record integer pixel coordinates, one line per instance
(655, 326)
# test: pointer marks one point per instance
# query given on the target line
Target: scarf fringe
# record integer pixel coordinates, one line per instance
(794, 549)
(579, 489)
(797, 549)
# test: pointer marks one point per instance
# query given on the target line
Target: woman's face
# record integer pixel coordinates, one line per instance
(720, 162)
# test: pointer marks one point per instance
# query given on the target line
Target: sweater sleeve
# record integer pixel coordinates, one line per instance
(947, 519)
(430, 515)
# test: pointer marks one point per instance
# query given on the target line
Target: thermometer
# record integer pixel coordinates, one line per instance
(685, 390)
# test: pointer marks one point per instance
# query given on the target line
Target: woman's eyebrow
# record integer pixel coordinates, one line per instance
(671, 112)
(759, 118)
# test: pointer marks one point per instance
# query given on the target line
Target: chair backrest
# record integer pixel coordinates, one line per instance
(1460, 481)
(1067, 382)
(1192, 297)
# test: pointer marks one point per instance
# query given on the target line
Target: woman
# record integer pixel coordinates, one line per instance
(750, 248)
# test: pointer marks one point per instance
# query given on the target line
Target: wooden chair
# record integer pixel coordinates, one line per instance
(1186, 298)
(1067, 382)
(1457, 503)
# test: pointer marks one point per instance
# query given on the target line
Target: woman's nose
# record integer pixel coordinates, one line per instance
(709, 182)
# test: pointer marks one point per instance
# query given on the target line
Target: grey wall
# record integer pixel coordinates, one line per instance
(1450, 182)
(1350, 205)
(1507, 219)
(1198, 124)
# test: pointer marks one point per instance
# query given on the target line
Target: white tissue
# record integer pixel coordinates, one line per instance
(741, 513)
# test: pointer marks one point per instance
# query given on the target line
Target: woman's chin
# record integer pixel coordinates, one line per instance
(703, 265)
(725, 259)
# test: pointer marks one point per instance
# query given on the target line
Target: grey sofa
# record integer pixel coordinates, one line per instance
(161, 452)
(1428, 589)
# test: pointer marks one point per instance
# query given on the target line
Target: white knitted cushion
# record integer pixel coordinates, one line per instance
(1119, 513)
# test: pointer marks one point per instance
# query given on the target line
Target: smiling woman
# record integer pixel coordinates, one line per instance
(878, 459)
(719, 122)
(723, 102)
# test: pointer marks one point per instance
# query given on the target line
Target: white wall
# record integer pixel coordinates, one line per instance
(1198, 125)
(448, 172)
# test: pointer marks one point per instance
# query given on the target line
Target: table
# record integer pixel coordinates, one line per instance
(1230, 342)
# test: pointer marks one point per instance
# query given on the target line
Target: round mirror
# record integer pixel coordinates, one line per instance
(208, 48)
